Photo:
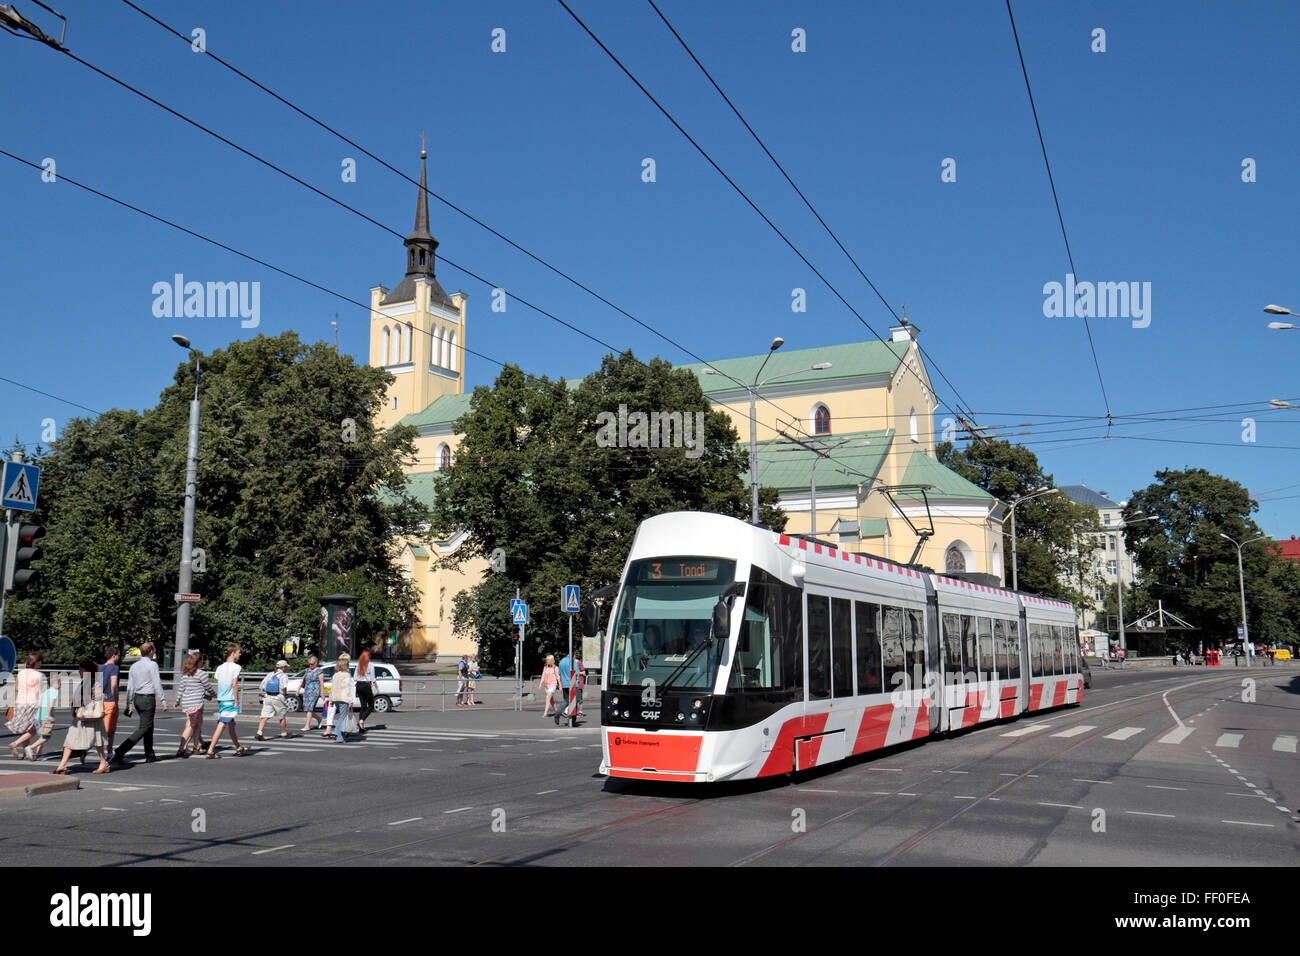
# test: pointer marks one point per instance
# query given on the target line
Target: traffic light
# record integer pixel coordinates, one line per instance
(20, 552)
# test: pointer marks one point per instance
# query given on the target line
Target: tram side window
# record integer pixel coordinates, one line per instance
(819, 647)
(868, 624)
(987, 641)
(952, 647)
(998, 666)
(986, 648)
(916, 648)
(759, 662)
(1013, 650)
(895, 663)
(1035, 650)
(841, 647)
(1058, 638)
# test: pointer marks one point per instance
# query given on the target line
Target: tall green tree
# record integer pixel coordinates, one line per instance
(299, 493)
(530, 477)
(1052, 532)
(1187, 564)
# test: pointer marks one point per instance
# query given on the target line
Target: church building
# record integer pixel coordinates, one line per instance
(845, 434)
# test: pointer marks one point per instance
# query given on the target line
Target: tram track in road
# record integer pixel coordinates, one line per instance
(919, 837)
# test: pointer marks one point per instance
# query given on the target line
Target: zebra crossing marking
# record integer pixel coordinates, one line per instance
(1124, 733)
(1076, 731)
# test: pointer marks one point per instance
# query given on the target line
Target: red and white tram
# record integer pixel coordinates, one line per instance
(736, 652)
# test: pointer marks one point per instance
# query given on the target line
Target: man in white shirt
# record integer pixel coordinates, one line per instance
(143, 691)
(227, 677)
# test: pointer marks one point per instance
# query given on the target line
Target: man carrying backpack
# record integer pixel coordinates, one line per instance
(274, 702)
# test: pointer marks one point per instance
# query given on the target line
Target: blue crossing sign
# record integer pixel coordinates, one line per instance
(518, 612)
(19, 484)
(570, 600)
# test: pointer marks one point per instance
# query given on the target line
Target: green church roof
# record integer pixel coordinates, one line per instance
(853, 360)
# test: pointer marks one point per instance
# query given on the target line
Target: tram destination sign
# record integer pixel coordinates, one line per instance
(694, 570)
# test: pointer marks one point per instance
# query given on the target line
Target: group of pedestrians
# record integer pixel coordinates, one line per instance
(467, 677)
(558, 681)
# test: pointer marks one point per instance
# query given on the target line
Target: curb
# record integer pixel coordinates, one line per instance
(36, 788)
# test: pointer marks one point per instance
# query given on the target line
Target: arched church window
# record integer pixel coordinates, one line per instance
(406, 345)
(412, 258)
(444, 456)
(822, 420)
(436, 354)
(452, 366)
(383, 346)
(954, 562)
(912, 425)
(421, 257)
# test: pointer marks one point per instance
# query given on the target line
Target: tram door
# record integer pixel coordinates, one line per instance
(1022, 692)
(933, 680)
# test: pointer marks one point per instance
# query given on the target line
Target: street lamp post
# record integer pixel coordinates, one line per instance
(187, 539)
(753, 414)
(1119, 580)
(1015, 570)
(1241, 578)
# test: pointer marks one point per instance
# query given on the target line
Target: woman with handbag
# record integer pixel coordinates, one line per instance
(192, 690)
(88, 730)
(27, 702)
(344, 697)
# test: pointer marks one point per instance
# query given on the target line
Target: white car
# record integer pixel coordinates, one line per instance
(388, 686)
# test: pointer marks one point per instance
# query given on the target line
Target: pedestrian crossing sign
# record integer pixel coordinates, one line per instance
(518, 612)
(569, 599)
(20, 483)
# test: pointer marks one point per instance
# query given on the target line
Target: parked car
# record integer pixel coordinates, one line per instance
(388, 686)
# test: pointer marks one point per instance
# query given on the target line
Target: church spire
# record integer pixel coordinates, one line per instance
(420, 244)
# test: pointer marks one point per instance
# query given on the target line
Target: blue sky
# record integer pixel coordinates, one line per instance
(545, 142)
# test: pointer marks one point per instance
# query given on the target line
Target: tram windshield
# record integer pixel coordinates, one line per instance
(662, 629)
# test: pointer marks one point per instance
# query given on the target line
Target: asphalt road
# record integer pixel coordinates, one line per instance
(1164, 767)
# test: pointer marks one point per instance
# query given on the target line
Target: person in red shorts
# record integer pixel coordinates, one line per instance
(109, 673)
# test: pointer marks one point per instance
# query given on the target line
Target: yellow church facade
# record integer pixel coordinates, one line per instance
(855, 422)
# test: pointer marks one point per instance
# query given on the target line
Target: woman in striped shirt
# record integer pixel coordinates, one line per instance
(191, 691)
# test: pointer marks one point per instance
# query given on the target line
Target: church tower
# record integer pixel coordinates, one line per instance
(417, 331)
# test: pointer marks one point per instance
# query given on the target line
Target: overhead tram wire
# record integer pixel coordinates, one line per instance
(829, 231)
(446, 202)
(721, 172)
(262, 262)
(1056, 199)
(221, 245)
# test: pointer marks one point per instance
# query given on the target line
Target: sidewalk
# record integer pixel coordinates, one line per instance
(20, 785)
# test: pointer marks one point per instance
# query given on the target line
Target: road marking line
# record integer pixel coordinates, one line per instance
(1228, 740)
(1076, 731)
(901, 794)
(961, 796)
(1142, 813)
(542, 793)
(959, 771)
(1084, 780)
(1026, 730)
(1285, 744)
(1152, 786)
(809, 790)
(407, 820)
(1233, 793)
(458, 810)
(1071, 806)
(1244, 823)
(115, 809)
(1177, 735)
(287, 846)
(1258, 792)
(1124, 733)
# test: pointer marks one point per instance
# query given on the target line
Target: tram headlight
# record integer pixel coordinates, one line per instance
(614, 701)
(681, 716)
(699, 704)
